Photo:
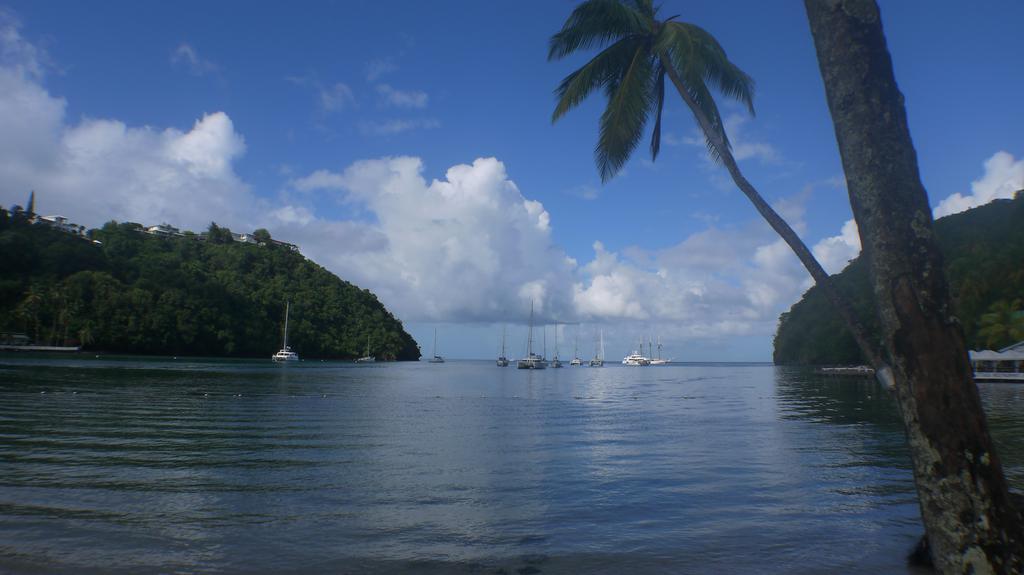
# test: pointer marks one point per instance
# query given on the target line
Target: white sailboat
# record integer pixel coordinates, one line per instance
(286, 353)
(502, 360)
(554, 360)
(532, 360)
(659, 360)
(576, 361)
(598, 360)
(367, 358)
(436, 358)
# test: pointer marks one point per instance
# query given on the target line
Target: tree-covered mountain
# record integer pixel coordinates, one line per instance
(119, 289)
(984, 260)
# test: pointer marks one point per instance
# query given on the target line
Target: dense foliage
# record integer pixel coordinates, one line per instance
(984, 260)
(131, 292)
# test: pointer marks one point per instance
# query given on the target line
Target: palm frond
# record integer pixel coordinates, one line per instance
(716, 68)
(596, 23)
(603, 69)
(622, 123)
(659, 104)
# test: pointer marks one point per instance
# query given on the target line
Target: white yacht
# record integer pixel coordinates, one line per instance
(532, 360)
(635, 359)
(286, 353)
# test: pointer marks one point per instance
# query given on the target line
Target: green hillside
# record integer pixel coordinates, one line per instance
(118, 289)
(984, 253)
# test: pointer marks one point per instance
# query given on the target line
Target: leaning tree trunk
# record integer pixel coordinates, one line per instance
(821, 277)
(971, 525)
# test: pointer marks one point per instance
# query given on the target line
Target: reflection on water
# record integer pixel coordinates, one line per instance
(145, 465)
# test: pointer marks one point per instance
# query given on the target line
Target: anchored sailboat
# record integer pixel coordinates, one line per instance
(554, 360)
(598, 360)
(286, 353)
(367, 358)
(532, 360)
(576, 349)
(502, 360)
(436, 358)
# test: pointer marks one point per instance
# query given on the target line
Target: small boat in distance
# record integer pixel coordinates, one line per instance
(502, 360)
(532, 360)
(367, 358)
(598, 360)
(554, 360)
(286, 353)
(576, 361)
(436, 358)
(659, 360)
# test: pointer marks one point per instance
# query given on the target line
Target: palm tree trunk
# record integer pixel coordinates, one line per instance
(821, 277)
(971, 523)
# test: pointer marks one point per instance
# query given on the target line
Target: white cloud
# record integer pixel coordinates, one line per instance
(379, 67)
(186, 55)
(391, 127)
(336, 97)
(1003, 176)
(743, 146)
(402, 98)
(833, 253)
(468, 247)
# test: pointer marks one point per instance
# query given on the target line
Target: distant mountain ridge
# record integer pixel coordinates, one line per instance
(118, 289)
(983, 250)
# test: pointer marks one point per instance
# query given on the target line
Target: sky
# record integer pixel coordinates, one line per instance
(408, 147)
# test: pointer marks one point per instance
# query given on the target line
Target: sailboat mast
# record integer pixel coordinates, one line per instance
(287, 307)
(435, 342)
(529, 338)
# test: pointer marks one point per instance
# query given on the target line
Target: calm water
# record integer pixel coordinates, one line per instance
(132, 465)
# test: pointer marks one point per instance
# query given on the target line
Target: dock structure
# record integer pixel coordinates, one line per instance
(1007, 364)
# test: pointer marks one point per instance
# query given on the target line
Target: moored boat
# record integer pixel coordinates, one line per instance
(285, 353)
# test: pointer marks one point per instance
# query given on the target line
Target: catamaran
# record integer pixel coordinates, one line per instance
(286, 353)
(502, 360)
(576, 361)
(436, 358)
(532, 360)
(367, 358)
(598, 360)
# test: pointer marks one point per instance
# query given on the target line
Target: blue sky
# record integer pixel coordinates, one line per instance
(328, 123)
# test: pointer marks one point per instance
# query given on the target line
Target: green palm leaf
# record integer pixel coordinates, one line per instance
(595, 23)
(623, 121)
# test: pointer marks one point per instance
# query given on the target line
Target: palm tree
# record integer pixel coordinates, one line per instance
(638, 51)
(1002, 325)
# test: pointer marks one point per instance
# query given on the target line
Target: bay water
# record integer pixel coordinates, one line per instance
(160, 465)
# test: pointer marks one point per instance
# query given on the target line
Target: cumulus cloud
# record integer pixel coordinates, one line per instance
(468, 247)
(99, 169)
(402, 98)
(186, 55)
(833, 253)
(1003, 176)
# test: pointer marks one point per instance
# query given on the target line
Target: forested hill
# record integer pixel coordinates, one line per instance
(136, 293)
(984, 255)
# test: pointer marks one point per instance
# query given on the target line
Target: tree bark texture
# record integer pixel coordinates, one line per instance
(970, 522)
